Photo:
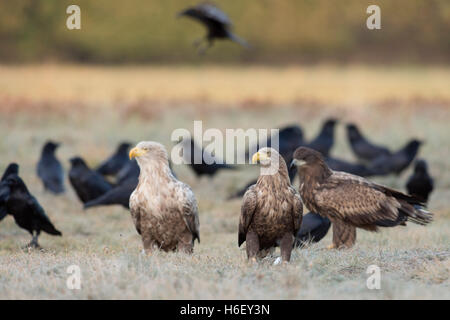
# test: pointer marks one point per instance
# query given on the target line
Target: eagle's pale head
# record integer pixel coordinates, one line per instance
(269, 159)
(264, 156)
(146, 151)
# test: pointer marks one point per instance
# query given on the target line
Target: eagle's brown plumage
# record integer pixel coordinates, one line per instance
(271, 211)
(350, 201)
(164, 210)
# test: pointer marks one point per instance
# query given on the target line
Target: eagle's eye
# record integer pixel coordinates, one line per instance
(269, 153)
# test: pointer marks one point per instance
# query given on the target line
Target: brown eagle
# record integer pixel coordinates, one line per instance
(350, 201)
(164, 210)
(271, 211)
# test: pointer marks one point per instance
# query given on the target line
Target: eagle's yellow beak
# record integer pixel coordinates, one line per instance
(257, 157)
(136, 152)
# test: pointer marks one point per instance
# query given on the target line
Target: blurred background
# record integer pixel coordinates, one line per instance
(289, 31)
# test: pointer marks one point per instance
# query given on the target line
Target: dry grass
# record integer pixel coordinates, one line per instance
(415, 261)
(351, 86)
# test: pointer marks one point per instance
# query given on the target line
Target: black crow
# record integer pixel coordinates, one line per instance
(87, 183)
(353, 168)
(117, 195)
(314, 228)
(325, 139)
(4, 196)
(420, 184)
(396, 162)
(131, 169)
(216, 21)
(116, 162)
(363, 148)
(50, 170)
(12, 169)
(202, 167)
(26, 210)
(290, 137)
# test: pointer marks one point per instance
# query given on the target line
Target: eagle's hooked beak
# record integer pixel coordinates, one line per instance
(137, 152)
(256, 158)
(259, 156)
(292, 164)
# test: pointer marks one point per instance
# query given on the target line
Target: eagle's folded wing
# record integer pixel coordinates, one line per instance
(190, 212)
(356, 201)
(297, 211)
(247, 210)
(135, 213)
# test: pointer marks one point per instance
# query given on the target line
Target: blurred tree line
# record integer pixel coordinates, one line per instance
(135, 31)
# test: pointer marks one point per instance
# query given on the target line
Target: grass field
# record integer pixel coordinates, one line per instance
(91, 109)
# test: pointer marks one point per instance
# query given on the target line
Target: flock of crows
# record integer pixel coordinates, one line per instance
(165, 212)
(115, 179)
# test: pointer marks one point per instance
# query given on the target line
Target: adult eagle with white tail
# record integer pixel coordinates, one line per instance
(350, 201)
(271, 212)
(164, 210)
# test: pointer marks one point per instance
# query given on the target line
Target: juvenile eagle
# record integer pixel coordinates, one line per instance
(164, 210)
(271, 212)
(350, 201)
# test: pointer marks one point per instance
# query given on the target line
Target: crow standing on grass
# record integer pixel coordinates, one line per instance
(118, 195)
(325, 140)
(26, 210)
(131, 169)
(398, 161)
(88, 184)
(202, 168)
(313, 229)
(4, 196)
(12, 169)
(353, 168)
(50, 170)
(420, 184)
(216, 21)
(363, 148)
(116, 162)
